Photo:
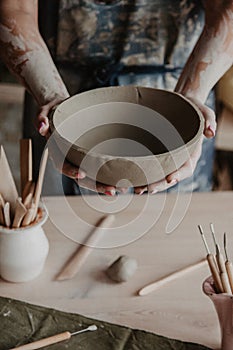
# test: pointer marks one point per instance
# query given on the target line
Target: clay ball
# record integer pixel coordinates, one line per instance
(122, 269)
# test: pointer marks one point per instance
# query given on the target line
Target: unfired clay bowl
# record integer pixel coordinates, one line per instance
(127, 135)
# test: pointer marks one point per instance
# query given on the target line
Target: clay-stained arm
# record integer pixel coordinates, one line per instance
(25, 53)
(213, 53)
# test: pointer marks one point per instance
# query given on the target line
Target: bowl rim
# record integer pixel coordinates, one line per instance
(102, 156)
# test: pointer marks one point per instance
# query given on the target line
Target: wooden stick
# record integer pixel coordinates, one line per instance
(78, 258)
(2, 219)
(6, 213)
(53, 339)
(229, 268)
(212, 264)
(223, 273)
(20, 212)
(40, 180)
(171, 277)
(29, 188)
(215, 273)
(7, 184)
(25, 162)
(28, 218)
(28, 200)
(228, 264)
(2, 201)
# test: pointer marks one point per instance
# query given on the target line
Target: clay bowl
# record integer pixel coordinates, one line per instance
(132, 135)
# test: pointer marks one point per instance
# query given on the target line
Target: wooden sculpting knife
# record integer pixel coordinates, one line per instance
(7, 184)
(25, 162)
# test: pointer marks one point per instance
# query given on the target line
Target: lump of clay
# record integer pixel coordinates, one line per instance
(122, 269)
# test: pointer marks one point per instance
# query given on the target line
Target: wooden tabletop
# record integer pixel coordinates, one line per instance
(180, 309)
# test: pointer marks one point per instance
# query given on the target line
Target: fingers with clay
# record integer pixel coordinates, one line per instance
(96, 186)
(185, 171)
(209, 116)
(61, 164)
(42, 119)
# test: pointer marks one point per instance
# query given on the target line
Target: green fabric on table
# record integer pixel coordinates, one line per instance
(22, 323)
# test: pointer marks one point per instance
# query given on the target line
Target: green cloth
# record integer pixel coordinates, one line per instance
(22, 323)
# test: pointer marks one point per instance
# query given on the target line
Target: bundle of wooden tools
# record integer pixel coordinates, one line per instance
(221, 270)
(20, 211)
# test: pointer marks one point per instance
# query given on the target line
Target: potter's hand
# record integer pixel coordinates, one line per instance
(61, 164)
(187, 169)
(58, 159)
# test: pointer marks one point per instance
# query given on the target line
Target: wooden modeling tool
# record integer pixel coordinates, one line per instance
(25, 162)
(20, 212)
(78, 258)
(53, 339)
(29, 188)
(212, 264)
(2, 203)
(228, 263)
(40, 179)
(28, 218)
(171, 277)
(221, 264)
(7, 184)
(2, 219)
(6, 213)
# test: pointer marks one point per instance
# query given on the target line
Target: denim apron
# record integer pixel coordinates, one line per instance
(99, 43)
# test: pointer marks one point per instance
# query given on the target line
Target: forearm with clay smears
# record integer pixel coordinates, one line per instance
(29, 59)
(210, 59)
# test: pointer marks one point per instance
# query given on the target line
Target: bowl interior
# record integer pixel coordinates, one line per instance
(160, 123)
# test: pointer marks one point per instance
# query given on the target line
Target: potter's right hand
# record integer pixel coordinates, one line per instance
(61, 164)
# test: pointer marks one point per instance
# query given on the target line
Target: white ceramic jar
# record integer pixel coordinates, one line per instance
(23, 251)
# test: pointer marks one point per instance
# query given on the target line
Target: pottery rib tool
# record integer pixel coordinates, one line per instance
(29, 216)
(40, 179)
(228, 263)
(20, 212)
(171, 277)
(25, 162)
(2, 203)
(53, 339)
(7, 184)
(6, 213)
(221, 264)
(28, 188)
(2, 219)
(77, 259)
(212, 264)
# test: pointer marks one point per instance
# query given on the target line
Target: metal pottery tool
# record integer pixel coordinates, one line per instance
(221, 264)
(171, 277)
(228, 263)
(212, 264)
(76, 261)
(53, 339)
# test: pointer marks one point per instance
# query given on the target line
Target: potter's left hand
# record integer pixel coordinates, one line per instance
(187, 169)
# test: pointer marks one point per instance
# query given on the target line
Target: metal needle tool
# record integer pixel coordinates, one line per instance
(212, 264)
(228, 263)
(53, 339)
(221, 264)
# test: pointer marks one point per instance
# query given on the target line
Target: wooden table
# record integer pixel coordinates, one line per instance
(178, 310)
